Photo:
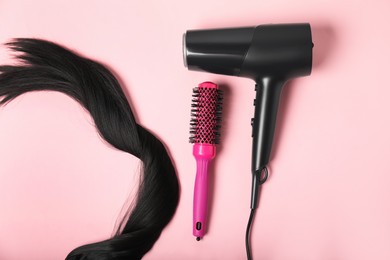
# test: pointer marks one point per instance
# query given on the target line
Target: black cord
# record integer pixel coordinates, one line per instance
(248, 231)
(253, 208)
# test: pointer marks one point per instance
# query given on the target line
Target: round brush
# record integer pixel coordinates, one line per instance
(204, 130)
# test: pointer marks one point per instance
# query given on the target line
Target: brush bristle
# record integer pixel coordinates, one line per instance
(206, 114)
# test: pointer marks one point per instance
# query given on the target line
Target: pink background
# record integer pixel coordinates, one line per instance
(328, 195)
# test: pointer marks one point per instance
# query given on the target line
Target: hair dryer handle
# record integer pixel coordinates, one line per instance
(266, 104)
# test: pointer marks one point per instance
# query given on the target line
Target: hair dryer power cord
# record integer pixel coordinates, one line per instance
(250, 221)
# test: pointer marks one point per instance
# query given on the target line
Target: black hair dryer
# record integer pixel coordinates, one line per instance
(269, 54)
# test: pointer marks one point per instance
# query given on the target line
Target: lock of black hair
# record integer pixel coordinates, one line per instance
(44, 65)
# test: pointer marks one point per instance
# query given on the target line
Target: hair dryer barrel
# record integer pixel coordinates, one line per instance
(282, 50)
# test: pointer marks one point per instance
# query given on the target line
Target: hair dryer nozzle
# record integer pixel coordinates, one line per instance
(220, 51)
(184, 50)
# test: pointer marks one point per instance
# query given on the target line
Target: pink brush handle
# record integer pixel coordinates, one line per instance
(203, 154)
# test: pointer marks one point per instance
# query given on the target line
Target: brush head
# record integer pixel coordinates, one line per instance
(206, 111)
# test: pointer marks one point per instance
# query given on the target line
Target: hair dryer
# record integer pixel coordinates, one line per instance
(270, 55)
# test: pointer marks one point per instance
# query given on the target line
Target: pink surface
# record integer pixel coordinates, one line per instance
(328, 193)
